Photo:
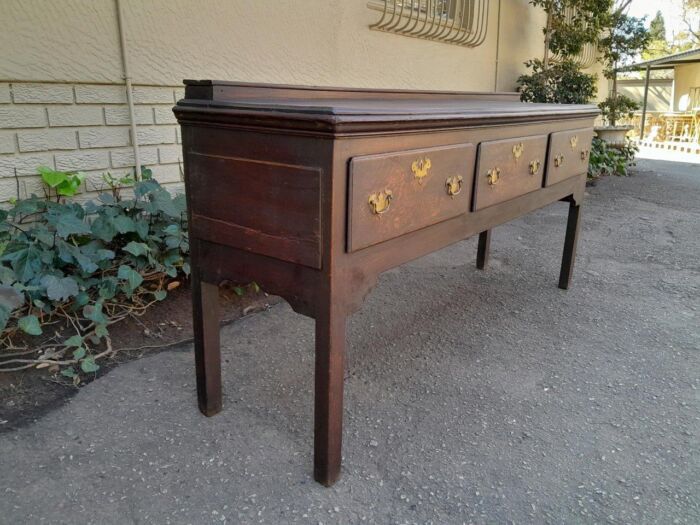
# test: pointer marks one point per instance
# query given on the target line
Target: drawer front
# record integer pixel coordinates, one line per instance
(508, 168)
(568, 154)
(396, 193)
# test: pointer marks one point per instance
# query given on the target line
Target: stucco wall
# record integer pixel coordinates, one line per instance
(59, 46)
(324, 42)
(685, 77)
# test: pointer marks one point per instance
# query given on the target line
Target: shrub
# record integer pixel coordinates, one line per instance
(610, 160)
(91, 264)
(616, 107)
(561, 82)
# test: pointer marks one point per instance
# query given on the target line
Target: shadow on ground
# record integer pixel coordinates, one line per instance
(475, 397)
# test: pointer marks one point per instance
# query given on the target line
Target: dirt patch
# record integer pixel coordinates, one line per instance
(28, 394)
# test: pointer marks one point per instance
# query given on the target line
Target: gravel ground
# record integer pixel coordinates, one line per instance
(471, 397)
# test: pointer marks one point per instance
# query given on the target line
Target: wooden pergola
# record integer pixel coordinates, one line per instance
(666, 62)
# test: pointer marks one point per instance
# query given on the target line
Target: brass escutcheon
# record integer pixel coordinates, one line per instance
(573, 140)
(420, 168)
(493, 176)
(453, 185)
(379, 202)
(518, 150)
(558, 160)
(584, 154)
(534, 166)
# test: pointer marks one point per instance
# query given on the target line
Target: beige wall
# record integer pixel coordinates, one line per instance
(324, 42)
(685, 77)
(56, 51)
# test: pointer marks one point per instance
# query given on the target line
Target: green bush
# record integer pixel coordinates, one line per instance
(610, 160)
(90, 264)
(563, 82)
(616, 107)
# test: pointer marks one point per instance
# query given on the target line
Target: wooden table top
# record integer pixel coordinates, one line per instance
(366, 110)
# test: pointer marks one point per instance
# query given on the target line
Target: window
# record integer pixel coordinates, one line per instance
(460, 22)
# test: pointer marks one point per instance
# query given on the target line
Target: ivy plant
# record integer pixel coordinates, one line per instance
(89, 264)
(606, 159)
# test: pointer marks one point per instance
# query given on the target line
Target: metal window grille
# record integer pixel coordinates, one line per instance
(460, 22)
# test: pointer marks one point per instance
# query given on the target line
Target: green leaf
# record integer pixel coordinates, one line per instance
(101, 330)
(106, 198)
(93, 312)
(69, 253)
(145, 187)
(103, 228)
(60, 289)
(80, 300)
(160, 295)
(171, 229)
(52, 178)
(79, 353)
(238, 291)
(70, 224)
(74, 340)
(136, 248)
(68, 372)
(30, 325)
(26, 262)
(88, 365)
(133, 278)
(142, 229)
(107, 288)
(124, 224)
(10, 297)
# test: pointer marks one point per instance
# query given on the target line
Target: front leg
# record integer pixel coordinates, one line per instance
(328, 407)
(207, 353)
(573, 225)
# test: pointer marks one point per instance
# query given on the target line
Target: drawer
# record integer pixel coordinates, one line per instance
(508, 168)
(568, 154)
(396, 193)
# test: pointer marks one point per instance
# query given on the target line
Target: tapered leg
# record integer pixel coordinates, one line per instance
(207, 354)
(567, 262)
(482, 254)
(328, 408)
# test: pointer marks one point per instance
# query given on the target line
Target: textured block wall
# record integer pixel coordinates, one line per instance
(85, 127)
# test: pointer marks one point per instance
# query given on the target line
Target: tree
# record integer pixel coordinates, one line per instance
(691, 19)
(624, 38)
(571, 24)
(657, 27)
(562, 82)
(658, 45)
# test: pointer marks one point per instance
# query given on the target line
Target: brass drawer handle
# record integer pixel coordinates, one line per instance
(518, 150)
(493, 176)
(420, 168)
(573, 141)
(558, 160)
(534, 166)
(584, 154)
(379, 202)
(454, 185)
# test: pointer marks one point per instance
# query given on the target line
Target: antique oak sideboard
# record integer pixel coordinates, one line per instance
(313, 192)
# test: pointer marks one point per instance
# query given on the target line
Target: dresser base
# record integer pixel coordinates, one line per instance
(330, 297)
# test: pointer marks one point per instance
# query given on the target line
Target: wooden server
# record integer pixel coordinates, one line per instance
(313, 192)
